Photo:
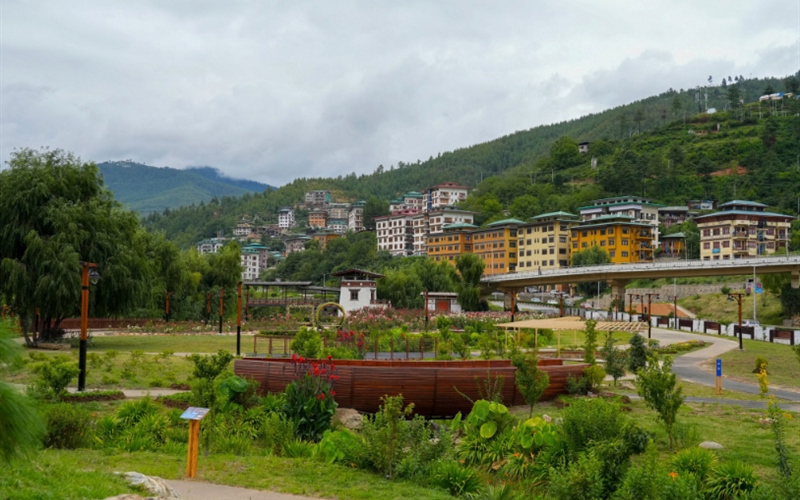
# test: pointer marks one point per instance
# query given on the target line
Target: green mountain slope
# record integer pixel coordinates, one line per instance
(655, 147)
(147, 189)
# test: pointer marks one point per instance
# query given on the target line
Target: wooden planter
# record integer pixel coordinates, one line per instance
(433, 386)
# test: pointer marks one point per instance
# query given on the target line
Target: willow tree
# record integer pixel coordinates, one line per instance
(470, 269)
(55, 213)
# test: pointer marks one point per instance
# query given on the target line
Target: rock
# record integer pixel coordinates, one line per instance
(349, 418)
(129, 496)
(627, 386)
(547, 418)
(155, 485)
(710, 445)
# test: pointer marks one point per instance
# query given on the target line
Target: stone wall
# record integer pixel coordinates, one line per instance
(666, 292)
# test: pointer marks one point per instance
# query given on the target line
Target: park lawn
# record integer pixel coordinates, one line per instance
(717, 307)
(694, 390)
(209, 343)
(577, 339)
(783, 365)
(88, 473)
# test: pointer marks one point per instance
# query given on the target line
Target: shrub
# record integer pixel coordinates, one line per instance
(615, 359)
(582, 479)
(591, 420)
(208, 367)
(386, 431)
(54, 375)
(131, 412)
(731, 480)
(307, 343)
(637, 354)
(278, 431)
(761, 361)
(650, 480)
(725, 290)
(298, 449)
(530, 380)
(695, 461)
(588, 382)
(656, 384)
(590, 342)
(310, 398)
(457, 480)
(68, 426)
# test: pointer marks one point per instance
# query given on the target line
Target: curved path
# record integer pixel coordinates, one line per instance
(687, 366)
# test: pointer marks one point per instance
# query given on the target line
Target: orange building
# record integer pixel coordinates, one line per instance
(324, 238)
(455, 240)
(317, 219)
(496, 244)
(625, 240)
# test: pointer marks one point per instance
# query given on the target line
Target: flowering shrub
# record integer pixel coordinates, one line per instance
(349, 344)
(310, 400)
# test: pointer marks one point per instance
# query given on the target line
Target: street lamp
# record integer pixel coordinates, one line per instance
(738, 298)
(88, 274)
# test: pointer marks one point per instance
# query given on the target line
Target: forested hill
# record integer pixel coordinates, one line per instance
(148, 189)
(656, 147)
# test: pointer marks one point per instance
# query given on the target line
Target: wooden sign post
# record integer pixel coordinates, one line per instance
(194, 416)
(718, 388)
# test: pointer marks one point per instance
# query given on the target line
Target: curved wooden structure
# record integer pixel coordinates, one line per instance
(433, 386)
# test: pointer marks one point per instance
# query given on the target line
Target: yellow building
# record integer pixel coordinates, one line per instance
(625, 240)
(455, 240)
(496, 244)
(324, 238)
(672, 245)
(742, 229)
(543, 243)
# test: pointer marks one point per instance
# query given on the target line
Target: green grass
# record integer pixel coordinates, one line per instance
(783, 365)
(87, 474)
(716, 307)
(174, 343)
(698, 390)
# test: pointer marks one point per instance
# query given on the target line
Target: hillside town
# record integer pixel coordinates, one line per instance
(431, 223)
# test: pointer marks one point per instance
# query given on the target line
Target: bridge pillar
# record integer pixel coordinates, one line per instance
(796, 279)
(618, 292)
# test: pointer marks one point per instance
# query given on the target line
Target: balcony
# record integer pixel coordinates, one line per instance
(740, 235)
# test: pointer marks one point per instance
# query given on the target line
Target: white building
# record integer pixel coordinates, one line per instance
(443, 195)
(355, 217)
(211, 245)
(338, 226)
(409, 201)
(432, 222)
(254, 260)
(318, 198)
(358, 289)
(242, 229)
(442, 302)
(286, 218)
(338, 211)
(395, 232)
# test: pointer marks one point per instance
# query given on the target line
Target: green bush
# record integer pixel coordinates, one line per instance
(68, 426)
(54, 375)
(131, 412)
(307, 343)
(277, 431)
(695, 461)
(310, 400)
(731, 480)
(650, 480)
(582, 479)
(591, 420)
(588, 382)
(208, 367)
(459, 481)
(760, 361)
(637, 354)
(725, 290)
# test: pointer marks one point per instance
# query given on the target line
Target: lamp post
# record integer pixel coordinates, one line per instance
(88, 273)
(166, 308)
(738, 298)
(239, 319)
(221, 305)
(649, 313)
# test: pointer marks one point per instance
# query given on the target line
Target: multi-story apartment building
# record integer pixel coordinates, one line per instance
(673, 215)
(295, 243)
(254, 260)
(325, 237)
(443, 195)
(211, 245)
(454, 240)
(409, 201)
(544, 241)
(242, 229)
(638, 208)
(625, 239)
(317, 198)
(432, 222)
(355, 217)
(286, 218)
(672, 245)
(395, 232)
(317, 219)
(496, 244)
(338, 226)
(338, 211)
(271, 230)
(742, 229)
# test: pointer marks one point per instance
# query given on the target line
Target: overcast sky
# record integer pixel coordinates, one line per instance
(273, 90)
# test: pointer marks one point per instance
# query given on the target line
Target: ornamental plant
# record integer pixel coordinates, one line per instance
(658, 386)
(310, 396)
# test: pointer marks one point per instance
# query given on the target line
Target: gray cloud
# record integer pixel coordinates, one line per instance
(276, 90)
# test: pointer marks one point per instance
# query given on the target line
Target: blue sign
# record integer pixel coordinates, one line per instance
(719, 368)
(715, 250)
(759, 288)
(193, 413)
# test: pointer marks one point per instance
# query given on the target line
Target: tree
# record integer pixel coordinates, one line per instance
(592, 256)
(564, 154)
(55, 213)
(615, 358)
(657, 385)
(590, 342)
(374, 207)
(530, 380)
(470, 268)
(637, 353)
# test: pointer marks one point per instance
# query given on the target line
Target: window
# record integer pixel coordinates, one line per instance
(612, 253)
(611, 242)
(726, 230)
(726, 244)
(624, 254)
(624, 230)
(354, 294)
(610, 231)
(716, 244)
(562, 251)
(602, 243)
(706, 245)
(624, 242)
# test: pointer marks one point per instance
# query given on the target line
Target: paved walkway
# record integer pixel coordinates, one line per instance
(196, 490)
(687, 366)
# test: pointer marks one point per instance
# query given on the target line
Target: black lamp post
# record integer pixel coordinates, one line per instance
(88, 274)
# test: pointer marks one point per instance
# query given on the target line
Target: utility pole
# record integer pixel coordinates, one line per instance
(650, 313)
(738, 298)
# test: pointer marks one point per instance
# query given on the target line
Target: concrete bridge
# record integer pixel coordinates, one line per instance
(619, 275)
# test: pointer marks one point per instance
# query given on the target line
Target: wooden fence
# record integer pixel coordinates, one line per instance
(437, 388)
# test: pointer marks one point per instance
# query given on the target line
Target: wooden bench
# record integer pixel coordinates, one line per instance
(685, 322)
(713, 326)
(746, 330)
(781, 333)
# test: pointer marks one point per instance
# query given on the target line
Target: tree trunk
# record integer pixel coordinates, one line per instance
(25, 323)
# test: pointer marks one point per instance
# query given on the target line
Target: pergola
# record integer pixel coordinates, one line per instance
(571, 323)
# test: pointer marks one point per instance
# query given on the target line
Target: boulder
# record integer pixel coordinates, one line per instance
(710, 445)
(349, 418)
(155, 485)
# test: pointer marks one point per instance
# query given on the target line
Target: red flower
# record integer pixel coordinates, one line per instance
(321, 396)
(333, 393)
